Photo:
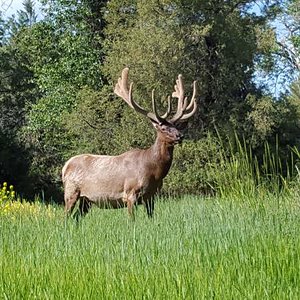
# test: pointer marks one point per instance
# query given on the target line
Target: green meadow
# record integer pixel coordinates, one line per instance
(226, 224)
(194, 248)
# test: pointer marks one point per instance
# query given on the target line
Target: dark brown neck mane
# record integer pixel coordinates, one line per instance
(162, 154)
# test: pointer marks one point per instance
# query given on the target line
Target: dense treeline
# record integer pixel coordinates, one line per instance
(57, 75)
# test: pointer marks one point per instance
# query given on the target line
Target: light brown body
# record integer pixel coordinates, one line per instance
(133, 177)
(117, 181)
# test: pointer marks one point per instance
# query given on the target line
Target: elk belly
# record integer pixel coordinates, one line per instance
(105, 199)
(109, 203)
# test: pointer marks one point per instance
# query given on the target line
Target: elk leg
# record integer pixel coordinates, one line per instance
(149, 205)
(130, 200)
(130, 207)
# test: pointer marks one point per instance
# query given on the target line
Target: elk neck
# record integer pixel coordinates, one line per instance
(162, 154)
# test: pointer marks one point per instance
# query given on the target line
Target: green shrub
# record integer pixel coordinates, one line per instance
(224, 166)
(190, 170)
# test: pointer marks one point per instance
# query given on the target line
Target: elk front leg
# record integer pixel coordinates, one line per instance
(149, 205)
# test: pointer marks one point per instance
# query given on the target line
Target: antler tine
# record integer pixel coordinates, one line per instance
(184, 109)
(179, 93)
(154, 107)
(154, 104)
(169, 109)
(185, 104)
(192, 105)
(121, 89)
(193, 100)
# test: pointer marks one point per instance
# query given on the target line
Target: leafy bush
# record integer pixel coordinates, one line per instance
(229, 166)
(192, 160)
(295, 185)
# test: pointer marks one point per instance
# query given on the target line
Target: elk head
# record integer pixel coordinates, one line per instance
(167, 128)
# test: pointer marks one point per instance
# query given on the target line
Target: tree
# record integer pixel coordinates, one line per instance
(213, 41)
(75, 55)
(65, 50)
(289, 43)
(280, 64)
(26, 16)
(17, 90)
(289, 126)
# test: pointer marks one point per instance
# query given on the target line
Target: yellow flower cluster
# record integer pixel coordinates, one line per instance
(6, 193)
(10, 205)
(25, 208)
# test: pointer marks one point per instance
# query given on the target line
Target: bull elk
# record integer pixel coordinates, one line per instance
(135, 176)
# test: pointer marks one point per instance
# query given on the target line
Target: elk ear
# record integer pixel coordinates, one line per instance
(155, 125)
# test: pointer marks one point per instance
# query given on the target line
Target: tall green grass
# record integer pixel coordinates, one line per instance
(194, 248)
(244, 243)
(227, 166)
(242, 174)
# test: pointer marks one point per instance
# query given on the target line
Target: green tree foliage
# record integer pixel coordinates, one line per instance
(65, 52)
(280, 64)
(290, 43)
(214, 42)
(26, 17)
(17, 90)
(62, 70)
(289, 124)
(2, 29)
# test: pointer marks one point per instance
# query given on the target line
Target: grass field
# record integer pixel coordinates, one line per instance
(194, 248)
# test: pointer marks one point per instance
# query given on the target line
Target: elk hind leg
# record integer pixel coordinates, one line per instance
(130, 200)
(71, 198)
